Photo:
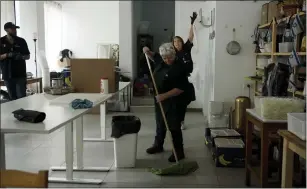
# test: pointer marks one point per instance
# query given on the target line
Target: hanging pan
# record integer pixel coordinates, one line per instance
(233, 47)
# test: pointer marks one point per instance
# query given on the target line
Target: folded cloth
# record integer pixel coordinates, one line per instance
(81, 104)
(30, 116)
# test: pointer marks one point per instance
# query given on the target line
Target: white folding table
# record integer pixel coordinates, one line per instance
(98, 100)
(57, 116)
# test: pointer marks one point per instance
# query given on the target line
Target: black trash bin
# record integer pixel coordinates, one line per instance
(124, 132)
(122, 125)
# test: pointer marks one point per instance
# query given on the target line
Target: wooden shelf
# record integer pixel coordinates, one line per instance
(289, 53)
(267, 25)
(253, 78)
(280, 54)
(298, 93)
(274, 56)
(264, 54)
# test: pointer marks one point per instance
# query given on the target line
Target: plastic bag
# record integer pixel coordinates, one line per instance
(122, 125)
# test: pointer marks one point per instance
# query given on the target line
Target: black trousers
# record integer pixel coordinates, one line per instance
(182, 111)
(16, 87)
(174, 123)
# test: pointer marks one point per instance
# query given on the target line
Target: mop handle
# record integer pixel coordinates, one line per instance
(162, 110)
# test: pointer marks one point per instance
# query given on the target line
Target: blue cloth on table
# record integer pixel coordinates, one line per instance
(81, 104)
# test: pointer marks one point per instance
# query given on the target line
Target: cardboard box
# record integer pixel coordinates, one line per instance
(86, 75)
(264, 13)
(274, 10)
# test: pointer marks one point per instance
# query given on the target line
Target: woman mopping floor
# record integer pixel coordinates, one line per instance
(170, 83)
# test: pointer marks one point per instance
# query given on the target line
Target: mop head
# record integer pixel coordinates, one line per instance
(182, 168)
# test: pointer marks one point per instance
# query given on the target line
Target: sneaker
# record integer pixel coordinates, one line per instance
(179, 155)
(154, 150)
(182, 126)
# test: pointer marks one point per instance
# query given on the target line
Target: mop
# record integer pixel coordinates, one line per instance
(180, 168)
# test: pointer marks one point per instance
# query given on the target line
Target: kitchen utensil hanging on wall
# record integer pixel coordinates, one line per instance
(233, 47)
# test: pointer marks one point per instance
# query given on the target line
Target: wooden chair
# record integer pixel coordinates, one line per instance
(21, 179)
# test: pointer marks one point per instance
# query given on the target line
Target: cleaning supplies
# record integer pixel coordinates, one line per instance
(177, 169)
(104, 86)
(180, 168)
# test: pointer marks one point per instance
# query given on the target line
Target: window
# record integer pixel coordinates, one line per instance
(7, 14)
(53, 33)
(17, 13)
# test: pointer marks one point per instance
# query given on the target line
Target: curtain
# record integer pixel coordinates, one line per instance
(53, 33)
(7, 14)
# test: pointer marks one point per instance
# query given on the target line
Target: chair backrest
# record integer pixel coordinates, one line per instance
(21, 179)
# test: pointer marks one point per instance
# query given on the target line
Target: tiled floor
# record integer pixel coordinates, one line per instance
(35, 152)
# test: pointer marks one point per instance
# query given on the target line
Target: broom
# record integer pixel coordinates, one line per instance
(180, 168)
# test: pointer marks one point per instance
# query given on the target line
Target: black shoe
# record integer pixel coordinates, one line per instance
(154, 149)
(180, 156)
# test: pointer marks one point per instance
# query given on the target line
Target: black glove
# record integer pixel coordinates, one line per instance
(18, 56)
(193, 17)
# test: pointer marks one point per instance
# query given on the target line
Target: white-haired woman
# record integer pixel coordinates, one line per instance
(171, 82)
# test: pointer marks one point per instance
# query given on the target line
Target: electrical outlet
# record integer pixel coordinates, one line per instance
(247, 86)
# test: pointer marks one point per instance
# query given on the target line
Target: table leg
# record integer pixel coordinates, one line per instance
(103, 135)
(79, 142)
(287, 166)
(264, 157)
(131, 93)
(79, 149)
(41, 85)
(248, 151)
(2, 152)
(69, 157)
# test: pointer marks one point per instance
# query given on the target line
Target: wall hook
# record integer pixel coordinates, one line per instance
(201, 18)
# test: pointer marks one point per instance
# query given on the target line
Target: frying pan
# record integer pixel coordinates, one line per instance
(233, 47)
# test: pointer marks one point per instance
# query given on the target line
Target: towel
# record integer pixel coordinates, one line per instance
(81, 104)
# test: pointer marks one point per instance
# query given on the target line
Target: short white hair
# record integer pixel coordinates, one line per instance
(167, 49)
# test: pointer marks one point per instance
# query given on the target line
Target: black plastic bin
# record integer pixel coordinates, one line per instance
(122, 125)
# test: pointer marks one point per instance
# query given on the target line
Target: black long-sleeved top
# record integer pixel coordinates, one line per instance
(168, 77)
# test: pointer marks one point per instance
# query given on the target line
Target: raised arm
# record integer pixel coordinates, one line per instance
(191, 33)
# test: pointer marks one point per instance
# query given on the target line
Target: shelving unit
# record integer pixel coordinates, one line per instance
(273, 54)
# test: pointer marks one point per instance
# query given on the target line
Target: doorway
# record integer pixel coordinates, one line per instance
(154, 24)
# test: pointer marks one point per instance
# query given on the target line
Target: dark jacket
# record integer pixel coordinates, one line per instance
(185, 56)
(12, 68)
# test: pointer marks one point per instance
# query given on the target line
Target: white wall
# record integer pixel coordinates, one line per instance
(230, 70)
(200, 51)
(87, 23)
(126, 37)
(31, 20)
(221, 75)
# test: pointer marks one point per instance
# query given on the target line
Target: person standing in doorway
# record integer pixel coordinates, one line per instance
(183, 52)
(14, 52)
